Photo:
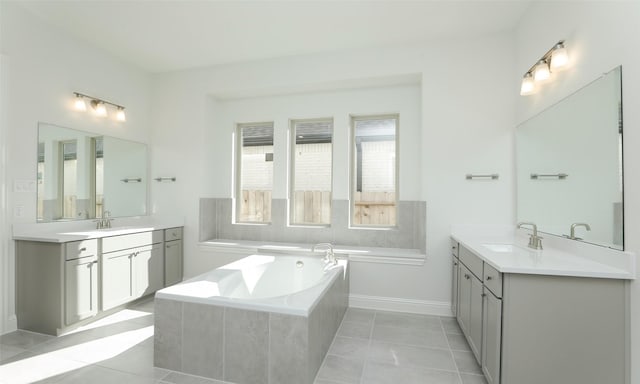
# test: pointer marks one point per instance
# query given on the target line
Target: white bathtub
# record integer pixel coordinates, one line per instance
(284, 284)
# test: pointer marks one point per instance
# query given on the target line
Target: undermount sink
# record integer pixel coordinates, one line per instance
(500, 247)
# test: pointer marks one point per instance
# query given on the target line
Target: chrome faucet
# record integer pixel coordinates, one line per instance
(329, 257)
(535, 241)
(572, 236)
(105, 222)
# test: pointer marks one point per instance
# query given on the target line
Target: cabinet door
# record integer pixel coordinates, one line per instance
(117, 278)
(492, 337)
(454, 286)
(464, 298)
(148, 270)
(81, 289)
(475, 317)
(172, 262)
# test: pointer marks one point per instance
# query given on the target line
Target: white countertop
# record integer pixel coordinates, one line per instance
(560, 257)
(62, 232)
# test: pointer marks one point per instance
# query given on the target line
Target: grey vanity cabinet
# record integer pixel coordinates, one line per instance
(132, 267)
(56, 284)
(491, 324)
(81, 290)
(172, 256)
(454, 277)
(470, 300)
(538, 328)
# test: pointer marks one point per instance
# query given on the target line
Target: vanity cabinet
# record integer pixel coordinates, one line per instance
(454, 277)
(470, 296)
(538, 328)
(56, 284)
(61, 285)
(173, 260)
(132, 267)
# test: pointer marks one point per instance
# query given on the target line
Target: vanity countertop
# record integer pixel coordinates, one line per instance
(508, 253)
(75, 231)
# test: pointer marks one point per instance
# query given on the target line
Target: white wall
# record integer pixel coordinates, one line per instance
(43, 67)
(600, 36)
(467, 120)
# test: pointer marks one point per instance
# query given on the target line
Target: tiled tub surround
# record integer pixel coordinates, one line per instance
(216, 223)
(247, 346)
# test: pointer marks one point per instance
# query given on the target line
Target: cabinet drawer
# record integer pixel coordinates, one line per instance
(173, 234)
(82, 248)
(454, 248)
(115, 243)
(493, 280)
(473, 262)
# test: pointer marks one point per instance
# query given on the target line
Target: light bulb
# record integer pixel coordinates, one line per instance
(120, 116)
(99, 107)
(559, 57)
(79, 104)
(528, 85)
(541, 71)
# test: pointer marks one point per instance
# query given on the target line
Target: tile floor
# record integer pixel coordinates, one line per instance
(371, 347)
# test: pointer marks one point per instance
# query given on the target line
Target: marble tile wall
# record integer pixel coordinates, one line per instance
(216, 223)
(246, 346)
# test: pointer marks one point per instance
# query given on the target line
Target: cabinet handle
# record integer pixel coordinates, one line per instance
(455, 263)
(489, 278)
(466, 276)
(483, 295)
(83, 249)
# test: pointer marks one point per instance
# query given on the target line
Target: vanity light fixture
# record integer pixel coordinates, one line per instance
(80, 104)
(99, 106)
(555, 59)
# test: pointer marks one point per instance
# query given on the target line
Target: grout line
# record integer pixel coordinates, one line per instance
(455, 363)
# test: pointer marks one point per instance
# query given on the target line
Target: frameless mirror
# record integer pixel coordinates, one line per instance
(81, 175)
(569, 165)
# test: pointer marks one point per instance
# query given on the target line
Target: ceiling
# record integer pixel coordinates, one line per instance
(161, 36)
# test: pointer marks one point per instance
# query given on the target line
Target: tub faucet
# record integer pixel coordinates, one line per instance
(572, 236)
(329, 256)
(535, 241)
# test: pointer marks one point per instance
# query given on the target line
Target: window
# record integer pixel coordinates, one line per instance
(254, 177)
(311, 163)
(375, 178)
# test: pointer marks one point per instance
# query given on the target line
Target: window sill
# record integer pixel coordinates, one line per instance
(401, 256)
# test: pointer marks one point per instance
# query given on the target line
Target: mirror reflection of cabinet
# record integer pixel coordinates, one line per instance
(80, 175)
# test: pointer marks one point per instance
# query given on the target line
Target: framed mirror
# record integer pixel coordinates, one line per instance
(81, 175)
(569, 165)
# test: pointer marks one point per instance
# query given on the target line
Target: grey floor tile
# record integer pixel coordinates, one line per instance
(458, 342)
(322, 381)
(385, 373)
(409, 336)
(181, 378)
(407, 320)
(341, 369)
(349, 347)
(351, 329)
(450, 325)
(137, 361)
(24, 339)
(98, 375)
(358, 315)
(7, 352)
(408, 355)
(466, 362)
(468, 378)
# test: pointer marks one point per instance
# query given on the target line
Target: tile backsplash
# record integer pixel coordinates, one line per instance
(216, 223)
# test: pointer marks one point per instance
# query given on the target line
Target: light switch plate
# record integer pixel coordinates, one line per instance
(24, 186)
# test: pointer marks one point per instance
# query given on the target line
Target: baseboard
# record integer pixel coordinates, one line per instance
(10, 325)
(395, 304)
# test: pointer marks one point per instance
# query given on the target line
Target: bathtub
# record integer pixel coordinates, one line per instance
(262, 319)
